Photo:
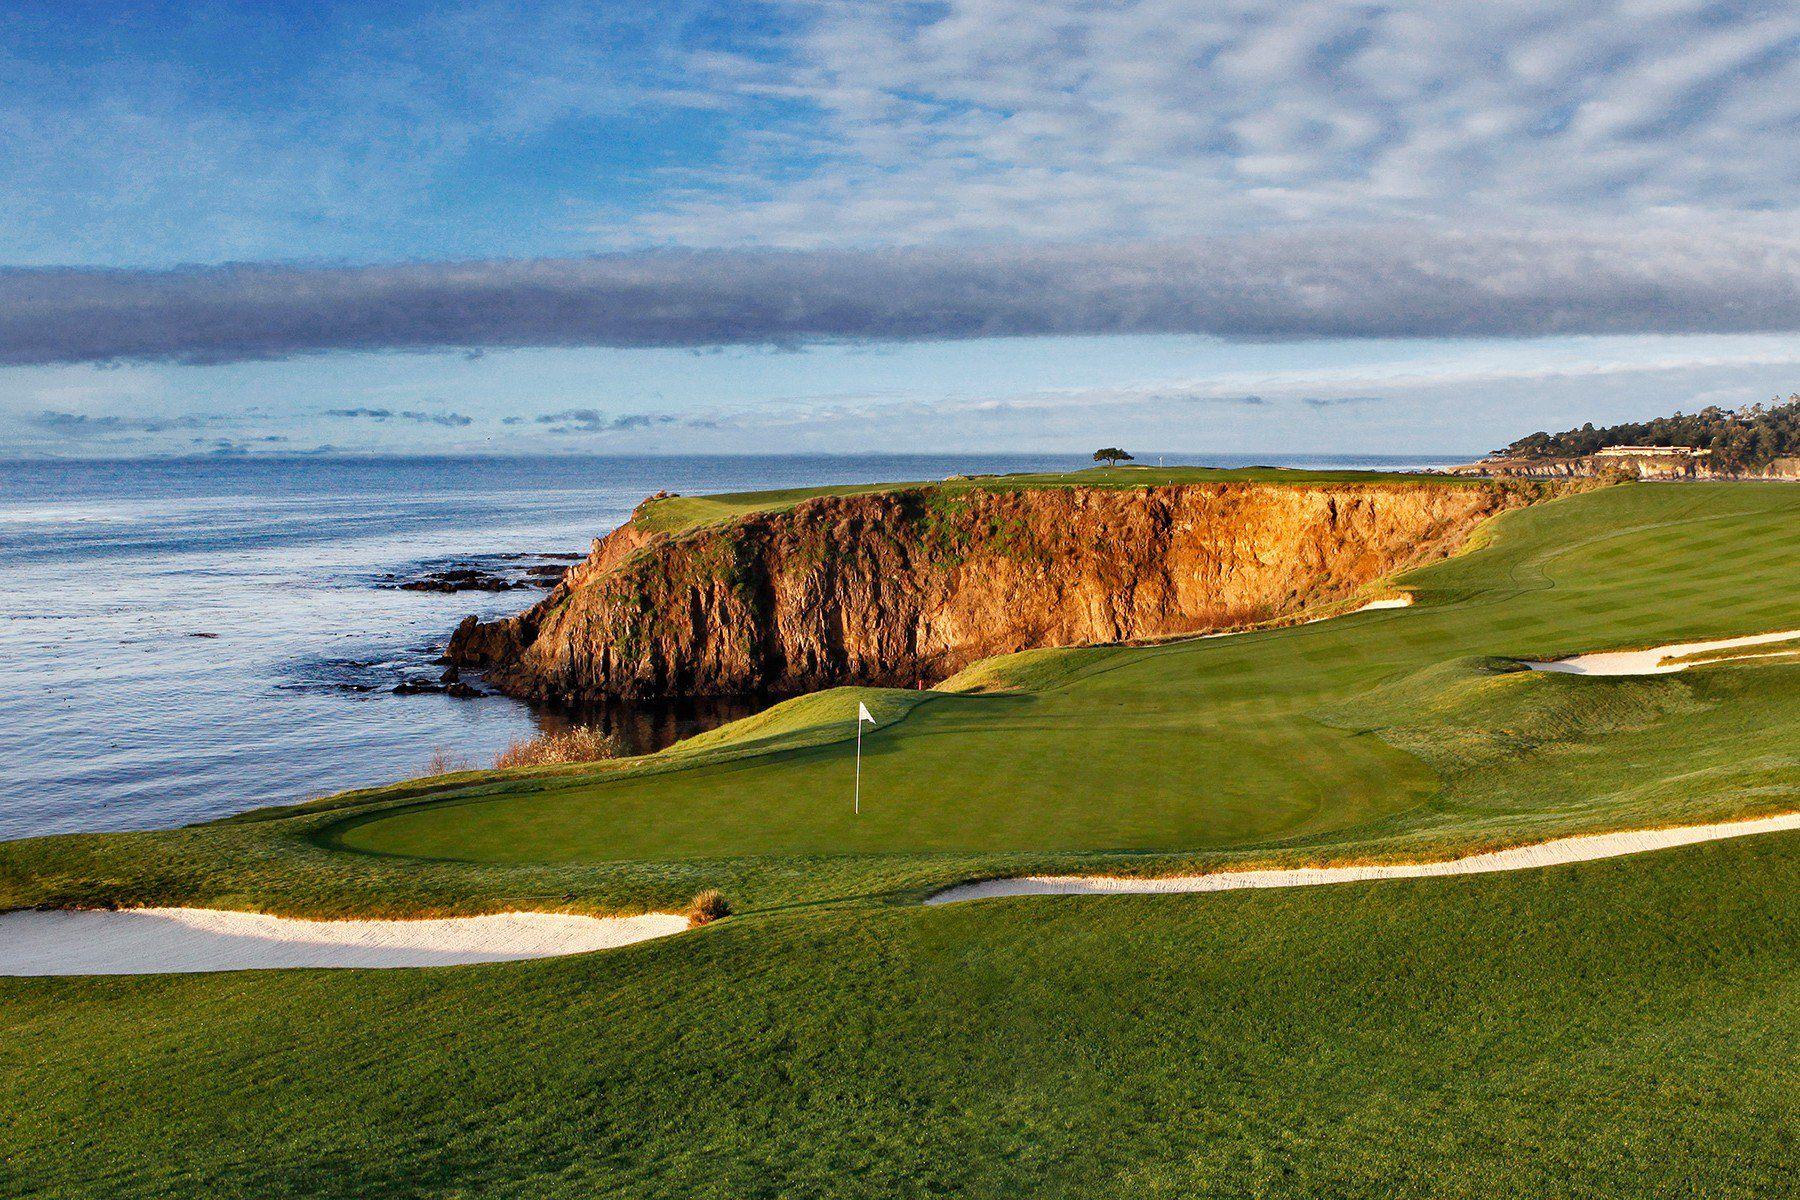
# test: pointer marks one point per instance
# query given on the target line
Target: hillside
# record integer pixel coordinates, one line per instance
(898, 586)
(1738, 441)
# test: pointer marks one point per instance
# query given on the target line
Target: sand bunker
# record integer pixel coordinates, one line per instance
(1404, 600)
(1585, 848)
(1662, 660)
(141, 941)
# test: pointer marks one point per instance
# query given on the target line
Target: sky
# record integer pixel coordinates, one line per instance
(487, 227)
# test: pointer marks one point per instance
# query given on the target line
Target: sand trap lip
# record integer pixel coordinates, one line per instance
(150, 941)
(1583, 848)
(1402, 600)
(1652, 661)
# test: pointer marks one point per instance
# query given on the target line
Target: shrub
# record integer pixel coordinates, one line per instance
(443, 762)
(576, 745)
(708, 906)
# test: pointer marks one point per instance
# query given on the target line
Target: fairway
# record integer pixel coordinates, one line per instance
(1264, 740)
(1524, 1034)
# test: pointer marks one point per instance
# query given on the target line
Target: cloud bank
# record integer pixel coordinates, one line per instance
(1362, 283)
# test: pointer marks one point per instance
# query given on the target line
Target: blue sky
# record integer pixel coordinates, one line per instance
(1260, 227)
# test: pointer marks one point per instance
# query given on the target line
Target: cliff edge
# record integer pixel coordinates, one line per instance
(911, 585)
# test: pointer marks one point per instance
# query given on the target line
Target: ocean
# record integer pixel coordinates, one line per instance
(184, 639)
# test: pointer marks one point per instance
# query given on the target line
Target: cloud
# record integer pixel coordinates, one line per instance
(814, 124)
(448, 420)
(68, 424)
(590, 420)
(1377, 282)
(1079, 119)
(1338, 401)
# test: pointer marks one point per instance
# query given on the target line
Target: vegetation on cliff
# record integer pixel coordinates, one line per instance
(1740, 439)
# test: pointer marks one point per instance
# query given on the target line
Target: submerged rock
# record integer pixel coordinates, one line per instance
(499, 573)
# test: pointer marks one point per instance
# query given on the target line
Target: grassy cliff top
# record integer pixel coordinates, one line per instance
(676, 513)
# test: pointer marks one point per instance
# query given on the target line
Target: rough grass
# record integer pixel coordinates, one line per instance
(580, 744)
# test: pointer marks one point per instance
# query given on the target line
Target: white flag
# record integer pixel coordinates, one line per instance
(862, 713)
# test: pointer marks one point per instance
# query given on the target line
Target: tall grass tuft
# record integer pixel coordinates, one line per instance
(444, 762)
(567, 746)
(708, 906)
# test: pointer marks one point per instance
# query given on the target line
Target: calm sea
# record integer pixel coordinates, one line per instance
(184, 639)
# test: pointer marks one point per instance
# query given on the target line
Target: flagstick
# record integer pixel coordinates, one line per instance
(856, 802)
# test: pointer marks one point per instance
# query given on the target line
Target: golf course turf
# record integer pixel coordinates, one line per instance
(1629, 1027)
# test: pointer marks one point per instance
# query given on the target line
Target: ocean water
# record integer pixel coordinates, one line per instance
(180, 640)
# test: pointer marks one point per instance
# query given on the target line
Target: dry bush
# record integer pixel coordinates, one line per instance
(443, 762)
(708, 906)
(567, 746)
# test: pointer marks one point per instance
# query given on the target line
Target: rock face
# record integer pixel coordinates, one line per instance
(899, 587)
(1591, 466)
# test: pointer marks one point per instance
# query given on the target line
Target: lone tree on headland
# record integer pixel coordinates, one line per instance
(1112, 456)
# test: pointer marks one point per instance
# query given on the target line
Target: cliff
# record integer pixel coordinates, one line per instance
(905, 586)
(1591, 466)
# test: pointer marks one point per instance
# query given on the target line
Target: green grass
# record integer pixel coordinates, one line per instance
(1612, 1029)
(1616, 1029)
(1319, 735)
(678, 513)
(1381, 733)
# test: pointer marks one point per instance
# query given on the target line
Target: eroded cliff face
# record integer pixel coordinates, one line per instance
(1592, 466)
(899, 587)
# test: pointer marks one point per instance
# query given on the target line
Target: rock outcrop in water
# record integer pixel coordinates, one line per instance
(912, 585)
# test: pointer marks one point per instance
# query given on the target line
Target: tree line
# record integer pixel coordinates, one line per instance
(1743, 438)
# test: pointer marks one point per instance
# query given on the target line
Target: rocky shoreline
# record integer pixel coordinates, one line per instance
(490, 573)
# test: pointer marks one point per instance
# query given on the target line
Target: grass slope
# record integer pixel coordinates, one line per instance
(1307, 736)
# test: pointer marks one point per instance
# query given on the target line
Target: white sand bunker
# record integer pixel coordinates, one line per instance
(1662, 660)
(143, 941)
(1403, 600)
(1585, 848)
